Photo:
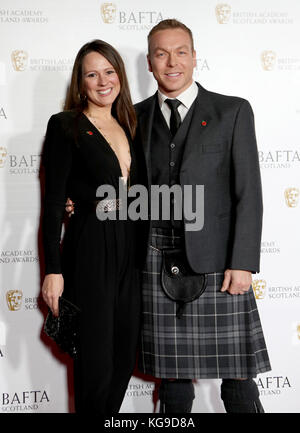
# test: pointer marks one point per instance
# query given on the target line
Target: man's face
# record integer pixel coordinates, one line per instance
(172, 60)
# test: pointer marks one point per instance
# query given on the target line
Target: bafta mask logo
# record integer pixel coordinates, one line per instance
(14, 299)
(298, 331)
(3, 155)
(108, 12)
(19, 60)
(259, 287)
(291, 197)
(268, 60)
(223, 12)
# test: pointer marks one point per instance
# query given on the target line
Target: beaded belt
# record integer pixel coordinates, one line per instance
(108, 205)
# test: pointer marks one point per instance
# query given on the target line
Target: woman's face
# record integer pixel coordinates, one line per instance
(100, 80)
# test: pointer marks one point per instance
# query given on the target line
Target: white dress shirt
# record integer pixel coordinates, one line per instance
(186, 98)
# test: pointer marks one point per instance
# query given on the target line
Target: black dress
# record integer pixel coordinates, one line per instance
(98, 259)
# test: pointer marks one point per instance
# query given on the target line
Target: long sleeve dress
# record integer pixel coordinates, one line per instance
(97, 258)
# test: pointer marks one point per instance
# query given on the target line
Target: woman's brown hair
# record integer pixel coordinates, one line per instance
(122, 107)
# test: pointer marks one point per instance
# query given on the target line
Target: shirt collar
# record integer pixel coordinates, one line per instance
(187, 97)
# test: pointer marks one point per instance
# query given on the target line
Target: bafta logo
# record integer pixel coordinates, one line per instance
(108, 12)
(259, 287)
(268, 59)
(291, 197)
(19, 60)
(3, 155)
(14, 299)
(223, 12)
(298, 331)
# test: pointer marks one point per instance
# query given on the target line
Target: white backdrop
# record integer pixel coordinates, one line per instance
(248, 48)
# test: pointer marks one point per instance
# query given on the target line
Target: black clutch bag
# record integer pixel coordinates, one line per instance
(64, 329)
(178, 281)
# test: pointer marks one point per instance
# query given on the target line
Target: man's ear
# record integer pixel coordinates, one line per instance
(149, 63)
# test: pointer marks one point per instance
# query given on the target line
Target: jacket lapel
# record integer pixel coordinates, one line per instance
(145, 120)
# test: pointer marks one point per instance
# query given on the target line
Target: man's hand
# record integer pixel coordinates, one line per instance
(236, 282)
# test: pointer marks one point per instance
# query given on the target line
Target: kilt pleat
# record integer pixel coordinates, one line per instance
(218, 336)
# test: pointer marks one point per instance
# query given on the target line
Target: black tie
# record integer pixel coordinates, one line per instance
(175, 119)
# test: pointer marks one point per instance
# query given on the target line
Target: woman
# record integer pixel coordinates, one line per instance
(86, 146)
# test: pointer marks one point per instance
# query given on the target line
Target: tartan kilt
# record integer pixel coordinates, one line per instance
(218, 336)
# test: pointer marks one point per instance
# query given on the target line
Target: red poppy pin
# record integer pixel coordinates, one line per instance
(204, 123)
(89, 132)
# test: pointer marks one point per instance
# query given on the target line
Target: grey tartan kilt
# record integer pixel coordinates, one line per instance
(218, 336)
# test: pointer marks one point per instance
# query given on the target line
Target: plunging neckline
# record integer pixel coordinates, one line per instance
(112, 150)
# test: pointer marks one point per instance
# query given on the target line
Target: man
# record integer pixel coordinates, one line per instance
(190, 136)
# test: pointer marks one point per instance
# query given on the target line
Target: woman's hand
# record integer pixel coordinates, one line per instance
(70, 205)
(52, 289)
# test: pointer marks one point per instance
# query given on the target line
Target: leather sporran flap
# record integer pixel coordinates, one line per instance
(178, 280)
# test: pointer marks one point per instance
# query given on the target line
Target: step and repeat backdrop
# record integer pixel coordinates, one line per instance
(247, 48)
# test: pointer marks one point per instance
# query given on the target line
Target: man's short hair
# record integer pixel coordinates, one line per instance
(170, 24)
